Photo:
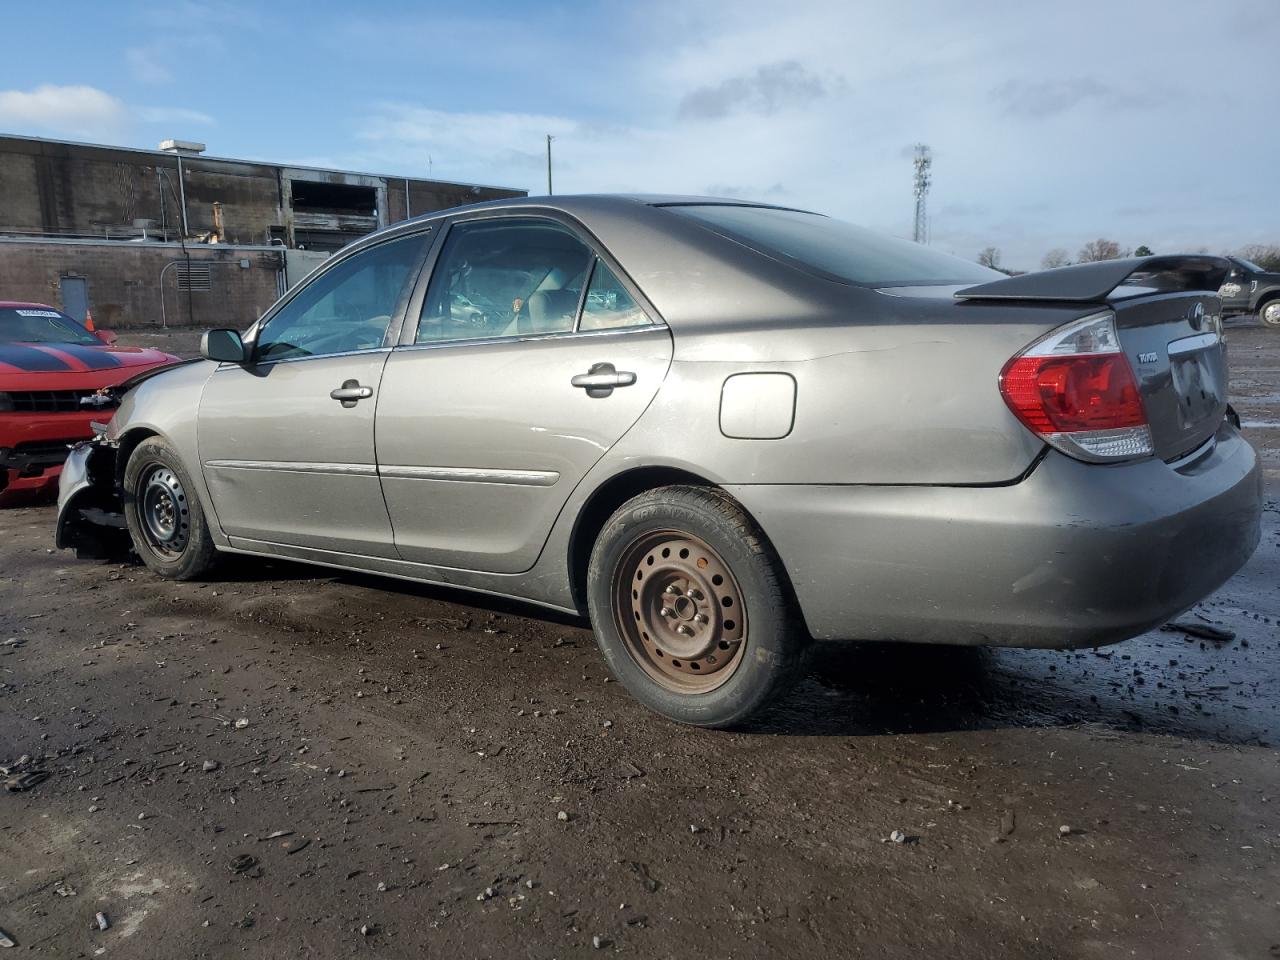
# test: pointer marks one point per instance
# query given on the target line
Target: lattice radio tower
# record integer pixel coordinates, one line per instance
(923, 161)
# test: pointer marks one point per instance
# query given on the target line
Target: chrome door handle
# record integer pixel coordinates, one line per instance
(600, 380)
(350, 392)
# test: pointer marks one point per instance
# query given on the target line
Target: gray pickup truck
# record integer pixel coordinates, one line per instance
(1250, 289)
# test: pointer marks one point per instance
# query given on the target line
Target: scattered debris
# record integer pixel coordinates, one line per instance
(101, 920)
(296, 844)
(26, 781)
(275, 835)
(642, 871)
(1202, 630)
(488, 893)
(897, 836)
(65, 889)
(367, 930)
(599, 942)
(6, 940)
(243, 863)
(210, 765)
(242, 723)
(563, 816)
(1064, 831)
(629, 771)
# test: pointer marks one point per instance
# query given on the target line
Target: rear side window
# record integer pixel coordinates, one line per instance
(504, 278)
(835, 249)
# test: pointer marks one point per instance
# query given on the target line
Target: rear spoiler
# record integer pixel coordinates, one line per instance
(1094, 282)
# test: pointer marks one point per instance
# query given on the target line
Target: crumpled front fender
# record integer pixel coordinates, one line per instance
(88, 499)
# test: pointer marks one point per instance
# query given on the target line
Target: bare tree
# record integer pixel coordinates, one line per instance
(990, 257)
(1265, 255)
(1099, 249)
(1057, 257)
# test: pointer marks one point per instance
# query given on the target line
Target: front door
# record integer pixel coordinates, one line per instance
(286, 441)
(530, 359)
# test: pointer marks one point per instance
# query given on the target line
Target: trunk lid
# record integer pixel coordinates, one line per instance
(1175, 346)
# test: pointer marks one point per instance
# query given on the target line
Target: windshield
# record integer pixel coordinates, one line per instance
(1249, 265)
(835, 249)
(41, 325)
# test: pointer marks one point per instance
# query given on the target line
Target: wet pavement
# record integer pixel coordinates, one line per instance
(417, 748)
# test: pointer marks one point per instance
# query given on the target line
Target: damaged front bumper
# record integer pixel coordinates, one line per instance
(90, 510)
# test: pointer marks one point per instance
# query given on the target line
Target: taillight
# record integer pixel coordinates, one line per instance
(1075, 388)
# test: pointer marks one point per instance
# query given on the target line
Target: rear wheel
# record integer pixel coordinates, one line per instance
(167, 525)
(1270, 313)
(690, 607)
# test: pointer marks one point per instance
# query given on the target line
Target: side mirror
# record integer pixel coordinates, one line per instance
(224, 346)
(106, 336)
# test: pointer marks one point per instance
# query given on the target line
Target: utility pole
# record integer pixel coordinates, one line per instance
(182, 193)
(549, 139)
(923, 162)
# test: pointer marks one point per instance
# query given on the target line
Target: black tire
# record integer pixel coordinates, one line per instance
(157, 486)
(1269, 312)
(761, 657)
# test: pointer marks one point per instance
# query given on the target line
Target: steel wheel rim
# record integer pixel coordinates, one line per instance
(1271, 314)
(680, 611)
(163, 510)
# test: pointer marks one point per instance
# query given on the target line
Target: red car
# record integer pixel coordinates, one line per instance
(51, 372)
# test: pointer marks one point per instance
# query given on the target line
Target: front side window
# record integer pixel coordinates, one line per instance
(504, 278)
(346, 308)
(608, 304)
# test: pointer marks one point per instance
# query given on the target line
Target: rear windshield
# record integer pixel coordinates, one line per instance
(41, 325)
(835, 249)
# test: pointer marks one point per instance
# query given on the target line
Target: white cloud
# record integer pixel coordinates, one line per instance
(84, 112)
(174, 115)
(79, 111)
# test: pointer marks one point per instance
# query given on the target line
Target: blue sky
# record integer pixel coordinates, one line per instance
(1051, 124)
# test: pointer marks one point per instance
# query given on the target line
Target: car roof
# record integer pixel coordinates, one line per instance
(23, 304)
(582, 205)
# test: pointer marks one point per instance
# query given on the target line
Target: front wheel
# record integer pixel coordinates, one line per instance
(691, 609)
(1270, 313)
(167, 525)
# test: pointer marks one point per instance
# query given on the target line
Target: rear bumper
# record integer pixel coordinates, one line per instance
(1074, 555)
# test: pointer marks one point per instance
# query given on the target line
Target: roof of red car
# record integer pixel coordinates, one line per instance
(25, 303)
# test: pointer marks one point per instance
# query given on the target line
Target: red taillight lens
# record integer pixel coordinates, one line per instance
(1068, 394)
(1074, 387)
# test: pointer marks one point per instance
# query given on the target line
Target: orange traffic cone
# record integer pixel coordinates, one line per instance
(88, 321)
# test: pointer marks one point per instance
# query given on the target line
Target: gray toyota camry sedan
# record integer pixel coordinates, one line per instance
(723, 431)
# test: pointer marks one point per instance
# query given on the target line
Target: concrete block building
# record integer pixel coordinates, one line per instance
(171, 236)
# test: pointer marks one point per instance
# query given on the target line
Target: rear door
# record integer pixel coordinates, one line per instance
(1174, 343)
(528, 357)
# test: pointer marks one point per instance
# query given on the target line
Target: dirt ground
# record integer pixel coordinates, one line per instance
(283, 762)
